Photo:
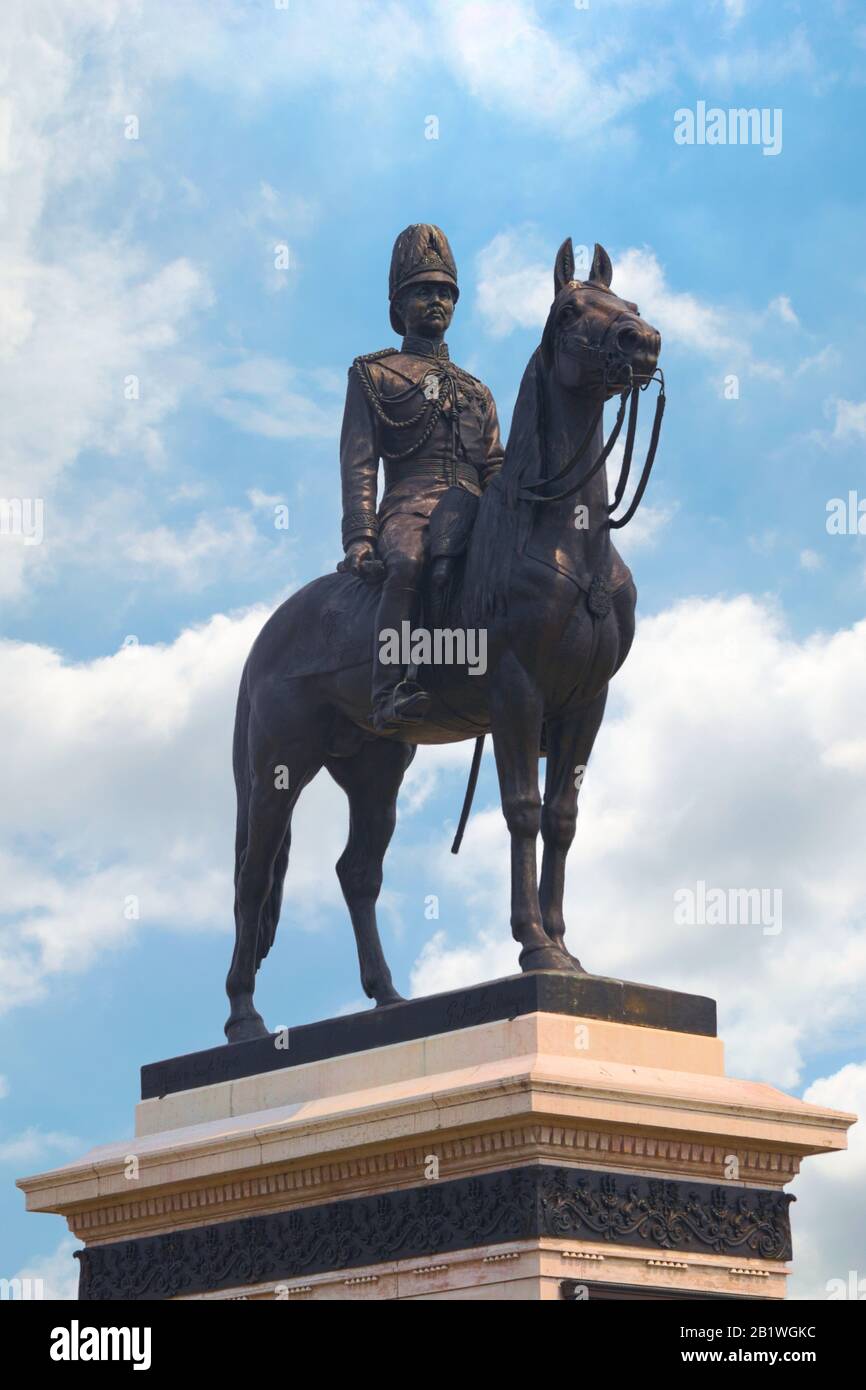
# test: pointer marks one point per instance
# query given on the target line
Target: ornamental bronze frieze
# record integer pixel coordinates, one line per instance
(440, 1217)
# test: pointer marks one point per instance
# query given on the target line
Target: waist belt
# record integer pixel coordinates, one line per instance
(431, 470)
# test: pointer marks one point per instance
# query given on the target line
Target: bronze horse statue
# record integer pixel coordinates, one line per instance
(542, 576)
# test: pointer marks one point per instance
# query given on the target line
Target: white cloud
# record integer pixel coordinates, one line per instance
(810, 560)
(118, 795)
(734, 10)
(262, 395)
(33, 1145)
(850, 420)
(644, 529)
(648, 522)
(193, 556)
(681, 318)
(74, 325)
(506, 58)
(740, 65)
(733, 754)
(57, 1271)
(118, 800)
(515, 290)
(87, 316)
(97, 341)
(264, 501)
(274, 219)
(96, 367)
(764, 542)
(826, 359)
(782, 307)
(91, 326)
(119, 533)
(499, 51)
(828, 1219)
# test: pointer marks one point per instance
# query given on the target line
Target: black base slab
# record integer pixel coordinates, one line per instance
(580, 996)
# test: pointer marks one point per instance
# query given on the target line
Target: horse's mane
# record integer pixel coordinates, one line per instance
(500, 512)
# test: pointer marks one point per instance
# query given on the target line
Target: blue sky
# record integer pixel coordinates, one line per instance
(733, 750)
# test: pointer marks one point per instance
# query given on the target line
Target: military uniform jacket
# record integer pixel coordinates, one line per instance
(432, 424)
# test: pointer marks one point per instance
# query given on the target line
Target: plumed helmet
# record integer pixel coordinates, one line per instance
(421, 252)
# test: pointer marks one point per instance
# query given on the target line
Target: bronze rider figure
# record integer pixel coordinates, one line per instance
(436, 431)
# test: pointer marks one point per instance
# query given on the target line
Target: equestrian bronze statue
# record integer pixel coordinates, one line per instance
(537, 573)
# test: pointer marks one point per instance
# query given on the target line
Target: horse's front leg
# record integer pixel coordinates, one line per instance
(569, 744)
(516, 714)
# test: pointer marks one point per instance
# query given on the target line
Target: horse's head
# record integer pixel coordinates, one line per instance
(595, 346)
(594, 342)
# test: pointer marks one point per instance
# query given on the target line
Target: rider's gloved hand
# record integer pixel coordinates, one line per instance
(361, 560)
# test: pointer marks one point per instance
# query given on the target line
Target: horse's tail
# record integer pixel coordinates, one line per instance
(270, 914)
(243, 776)
(274, 901)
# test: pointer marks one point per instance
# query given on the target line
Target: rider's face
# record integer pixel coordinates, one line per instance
(428, 308)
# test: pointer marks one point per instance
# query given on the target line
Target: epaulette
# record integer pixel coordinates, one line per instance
(375, 356)
(463, 372)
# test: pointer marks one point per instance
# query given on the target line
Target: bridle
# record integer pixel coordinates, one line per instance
(616, 372)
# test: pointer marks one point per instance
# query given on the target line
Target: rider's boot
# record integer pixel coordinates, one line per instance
(396, 700)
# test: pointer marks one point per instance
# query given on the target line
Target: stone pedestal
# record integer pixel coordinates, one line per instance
(542, 1138)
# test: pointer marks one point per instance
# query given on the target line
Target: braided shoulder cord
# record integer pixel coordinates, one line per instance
(373, 398)
(433, 413)
(428, 412)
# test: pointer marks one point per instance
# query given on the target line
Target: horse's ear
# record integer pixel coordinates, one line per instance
(563, 266)
(602, 270)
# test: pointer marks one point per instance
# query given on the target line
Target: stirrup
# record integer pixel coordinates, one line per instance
(407, 703)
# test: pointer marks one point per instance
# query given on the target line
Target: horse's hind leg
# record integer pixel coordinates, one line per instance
(371, 780)
(569, 744)
(259, 874)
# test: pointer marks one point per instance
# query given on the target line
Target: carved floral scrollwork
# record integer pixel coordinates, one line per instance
(666, 1214)
(441, 1216)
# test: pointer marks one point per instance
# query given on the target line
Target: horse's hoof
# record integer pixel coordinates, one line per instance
(546, 958)
(561, 946)
(246, 1029)
(385, 995)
